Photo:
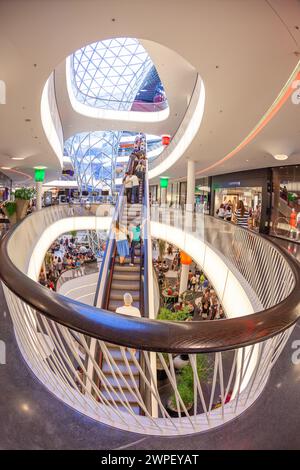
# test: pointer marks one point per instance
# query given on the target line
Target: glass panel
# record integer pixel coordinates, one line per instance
(117, 74)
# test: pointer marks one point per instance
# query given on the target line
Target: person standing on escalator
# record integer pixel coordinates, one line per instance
(135, 189)
(127, 181)
(121, 240)
(135, 237)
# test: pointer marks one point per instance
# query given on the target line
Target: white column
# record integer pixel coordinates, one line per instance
(190, 192)
(163, 196)
(184, 276)
(188, 224)
(190, 197)
(39, 186)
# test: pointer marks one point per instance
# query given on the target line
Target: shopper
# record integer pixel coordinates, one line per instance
(59, 265)
(135, 189)
(127, 181)
(256, 216)
(140, 170)
(228, 213)
(221, 211)
(128, 308)
(193, 283)
(135, 237)
(122, 242)
(241, 215)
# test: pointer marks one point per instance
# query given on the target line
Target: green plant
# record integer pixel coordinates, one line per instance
(24, 193)
(185, 384)
(165, 314)
(186, 393)
(10, 208)
(168, 315)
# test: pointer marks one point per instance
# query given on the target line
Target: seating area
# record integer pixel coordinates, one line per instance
(197, 302)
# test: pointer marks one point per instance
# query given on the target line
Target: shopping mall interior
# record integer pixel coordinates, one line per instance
(149, 225)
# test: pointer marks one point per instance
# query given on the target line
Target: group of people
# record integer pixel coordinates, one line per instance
(64, 254)
(127, 241)
(242, 216)
(133, 178)
(225, 211)
(205, 301)
(208, 306)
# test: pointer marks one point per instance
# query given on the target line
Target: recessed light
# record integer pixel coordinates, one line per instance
(281, 157)
(18, 158)
(5, 168)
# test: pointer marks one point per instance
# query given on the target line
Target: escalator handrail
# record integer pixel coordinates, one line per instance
(102, 283)
(147, 334)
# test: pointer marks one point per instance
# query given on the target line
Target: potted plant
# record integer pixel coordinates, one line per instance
(185, 385)
(9, 210)
(23, 197)
(167, 315)
(187, 395)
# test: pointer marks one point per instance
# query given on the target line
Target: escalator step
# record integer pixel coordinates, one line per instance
(126, 268)
(132, 276)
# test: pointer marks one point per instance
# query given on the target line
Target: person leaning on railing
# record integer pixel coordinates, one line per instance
(241, 215)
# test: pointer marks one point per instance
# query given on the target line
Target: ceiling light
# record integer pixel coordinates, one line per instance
(5, 168)
(18, 158)
(281, 157)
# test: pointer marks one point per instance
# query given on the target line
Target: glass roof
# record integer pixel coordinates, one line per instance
(112, 74)
(99, 156)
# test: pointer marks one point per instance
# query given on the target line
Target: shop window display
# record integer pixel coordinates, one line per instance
(285, 219)
(227, 199)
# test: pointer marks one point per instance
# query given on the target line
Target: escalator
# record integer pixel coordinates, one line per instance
(118, 279)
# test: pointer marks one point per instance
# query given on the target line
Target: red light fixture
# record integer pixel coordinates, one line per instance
(165, 139)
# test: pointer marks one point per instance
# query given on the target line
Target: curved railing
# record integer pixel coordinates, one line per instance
(229, 361)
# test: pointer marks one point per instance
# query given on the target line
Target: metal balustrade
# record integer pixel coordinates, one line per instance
(228, 361)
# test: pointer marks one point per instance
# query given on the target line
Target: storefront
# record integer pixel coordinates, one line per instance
(285, 219)
(252, 187)
(203, 195)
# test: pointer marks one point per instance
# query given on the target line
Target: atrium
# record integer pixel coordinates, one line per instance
(149, 225)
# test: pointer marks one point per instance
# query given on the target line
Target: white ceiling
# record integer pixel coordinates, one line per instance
(177, 76)
(244, 51)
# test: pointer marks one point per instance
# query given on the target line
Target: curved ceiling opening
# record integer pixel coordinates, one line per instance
(116, 74)
(100, 158)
